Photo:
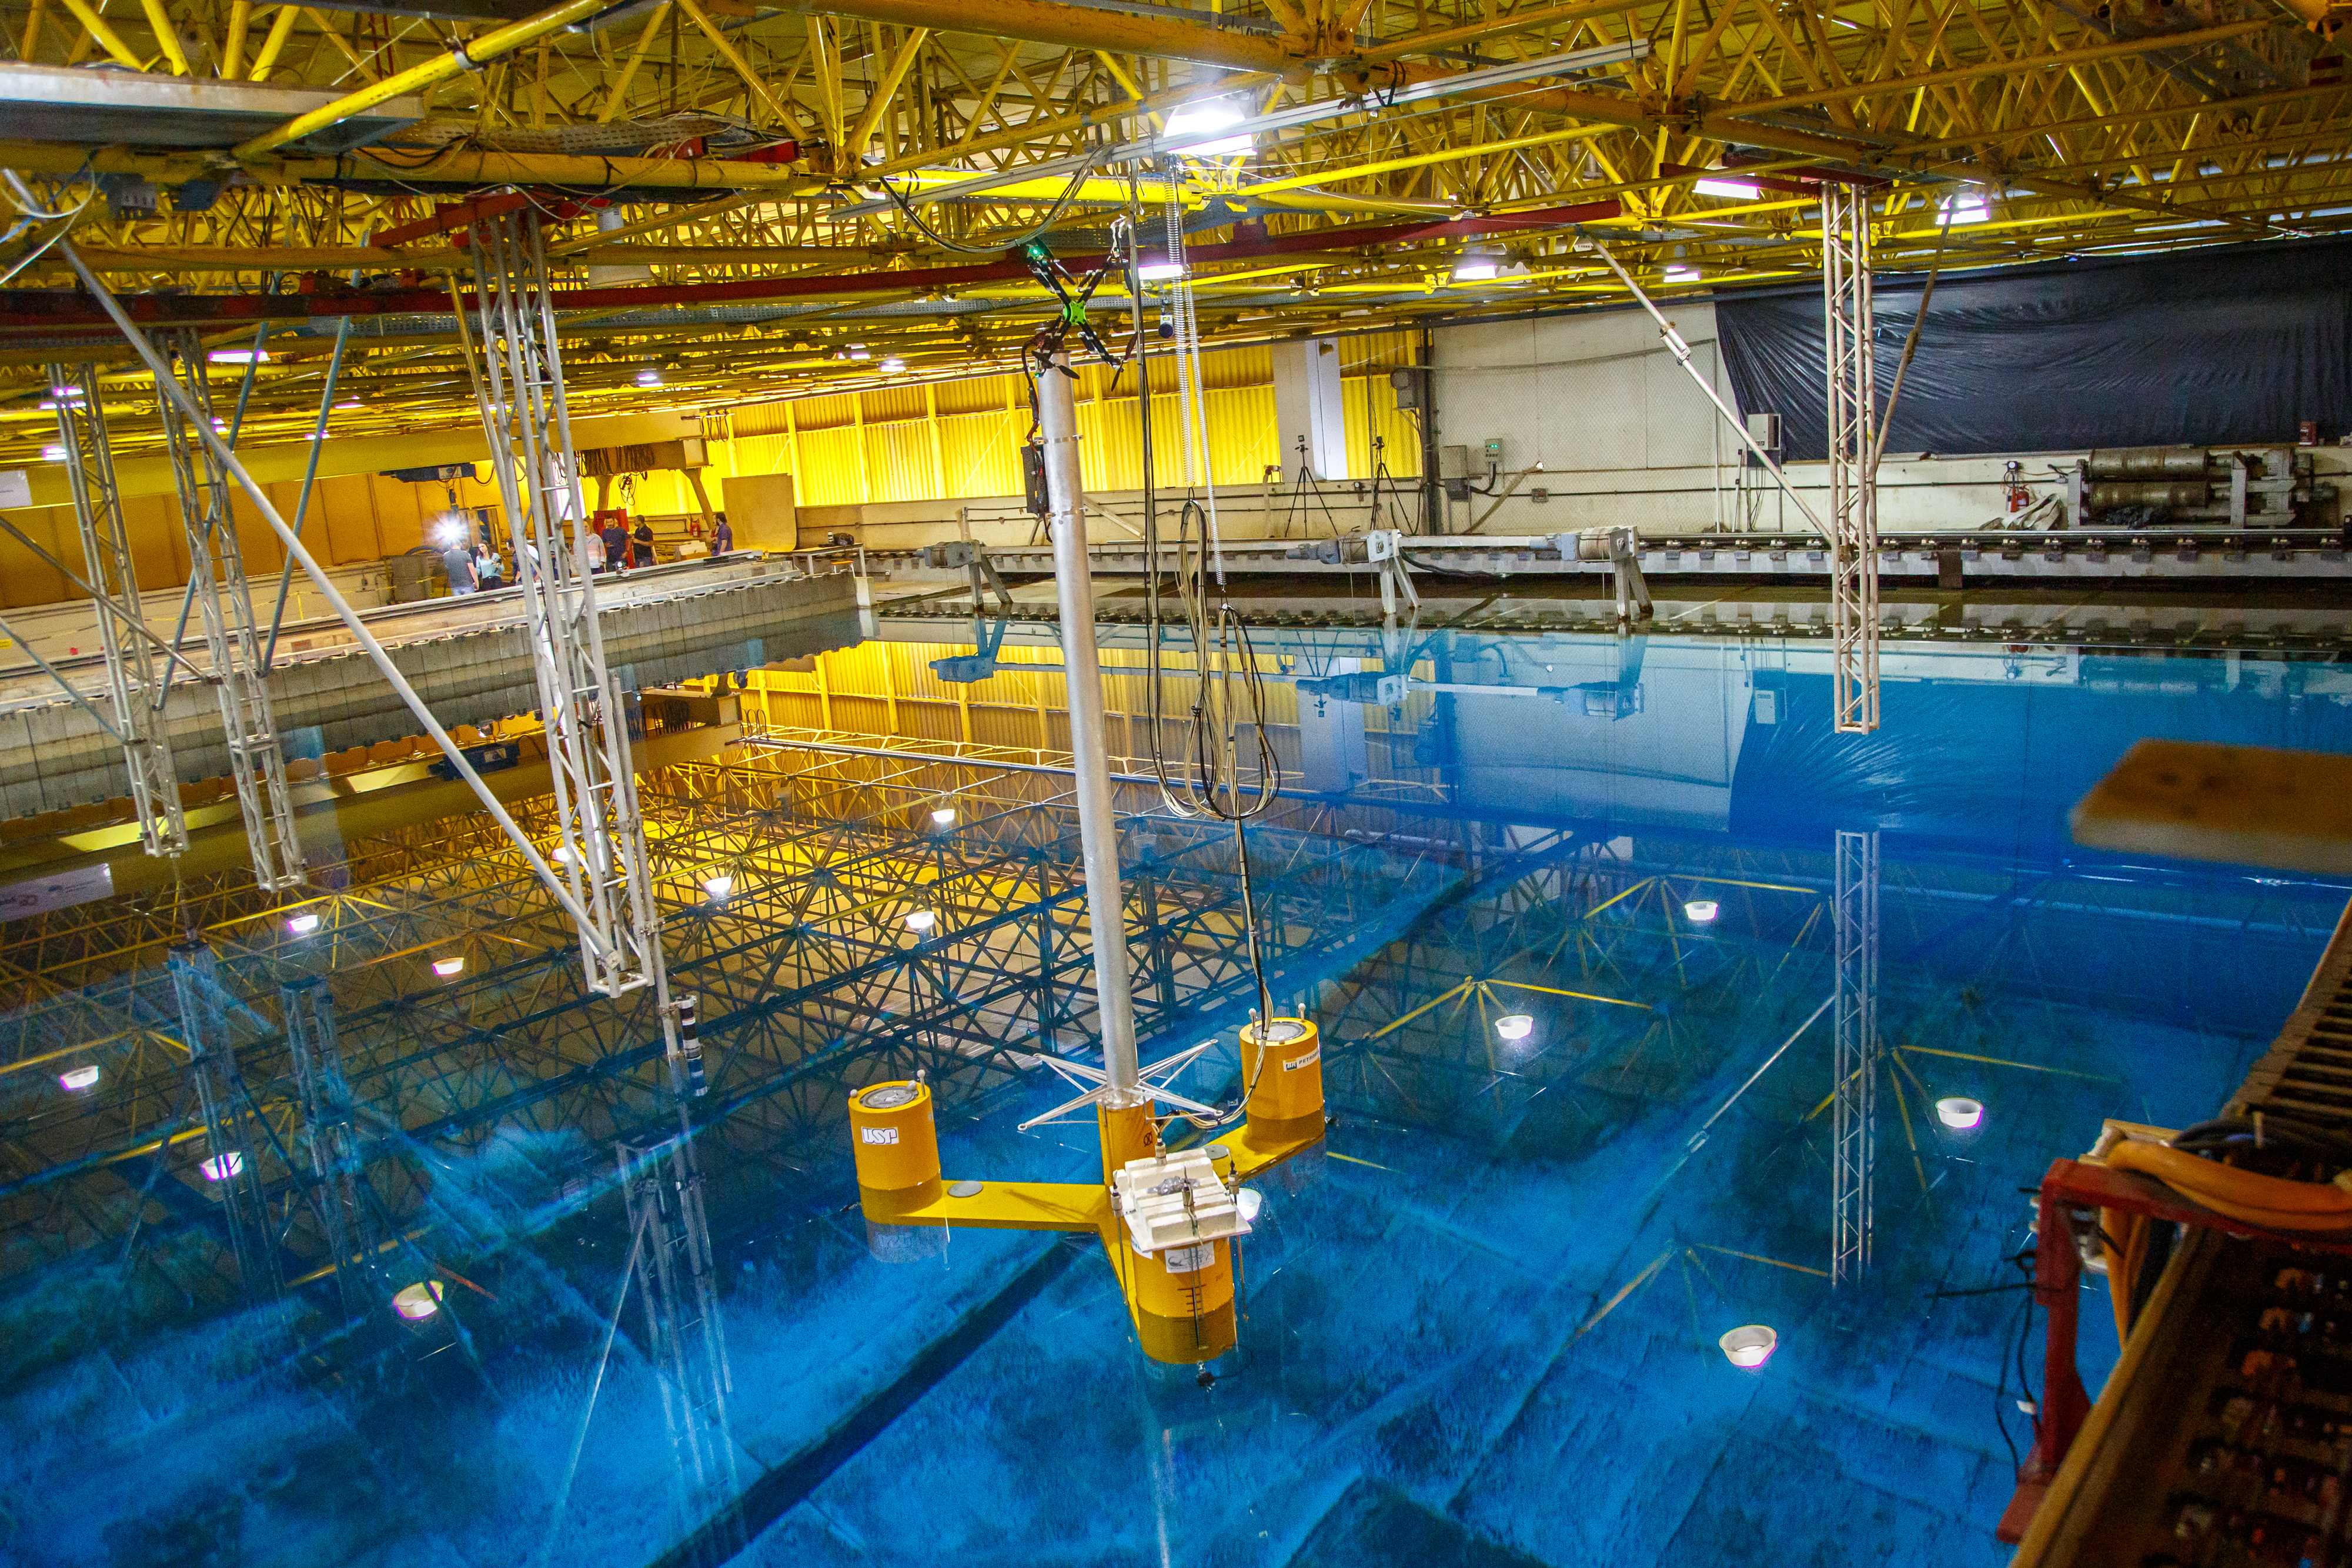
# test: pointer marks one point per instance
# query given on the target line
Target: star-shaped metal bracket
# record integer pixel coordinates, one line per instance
(1152, 1078)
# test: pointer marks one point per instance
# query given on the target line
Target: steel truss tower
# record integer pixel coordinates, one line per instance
(131, 676)
(1854, 1136)
(518, 374)
(229, 1115)
(1852, 450)
(224, 598)
(348, 1217)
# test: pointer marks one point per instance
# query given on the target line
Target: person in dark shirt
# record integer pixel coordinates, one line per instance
(722, 536)
(643, 555)
(616, 546)
(458, 563)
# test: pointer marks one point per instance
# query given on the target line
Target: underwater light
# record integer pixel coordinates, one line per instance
(943, 817)
(444, 968)
(921, 920)
(301, 925)
(1958, 1113)
(77, 1079)
(1159, 269)
(220, 1167)
(52, 454)
(1749, 1346)
(418, 1301)
(718, 886)
(1515, 1026)
(1699, 911)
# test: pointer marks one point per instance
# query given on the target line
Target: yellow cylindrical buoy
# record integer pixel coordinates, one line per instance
(897, 1146)
(1281, 1067)
(1183, 1301)
(1127, 1132)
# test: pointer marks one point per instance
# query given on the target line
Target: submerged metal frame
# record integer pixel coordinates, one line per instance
(1854, 1116)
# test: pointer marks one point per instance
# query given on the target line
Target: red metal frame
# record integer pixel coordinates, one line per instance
(2057, 1289)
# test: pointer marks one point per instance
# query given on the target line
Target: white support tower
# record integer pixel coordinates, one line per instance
(134, 683)
(232, 1175)
(1854, 1136)
(225, 600)
(518, 373)
(1854, 445)
(349, 1218)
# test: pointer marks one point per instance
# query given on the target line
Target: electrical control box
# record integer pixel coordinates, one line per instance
(1040, 500)
(1454, 463)
(1494, 450)
(1412, 384)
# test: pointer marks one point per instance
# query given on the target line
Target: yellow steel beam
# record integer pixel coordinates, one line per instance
(107, 38)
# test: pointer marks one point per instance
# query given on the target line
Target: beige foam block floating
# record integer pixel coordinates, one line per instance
(2248, 805)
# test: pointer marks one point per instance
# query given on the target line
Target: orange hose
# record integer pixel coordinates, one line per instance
(2321, 1200)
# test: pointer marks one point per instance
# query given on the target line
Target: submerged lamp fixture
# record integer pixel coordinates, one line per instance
(893, 365)
(74, 1080)
(922, 920)
(1961, 1114)
(943, 817)
(453, 964)
(1749, 1346)
(1699, 911)
(220, 1167)
(416, 1303)
(303, 925)
(52, 454)
(1515, 1026)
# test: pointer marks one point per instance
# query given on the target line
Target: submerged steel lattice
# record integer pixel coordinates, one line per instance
(1855, 1134)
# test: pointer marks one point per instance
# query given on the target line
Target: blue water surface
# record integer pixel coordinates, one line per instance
(1479, 1328)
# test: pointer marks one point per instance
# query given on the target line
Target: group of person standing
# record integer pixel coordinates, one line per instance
(612, 547)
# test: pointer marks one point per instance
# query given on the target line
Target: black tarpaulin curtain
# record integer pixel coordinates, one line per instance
(2201, 347)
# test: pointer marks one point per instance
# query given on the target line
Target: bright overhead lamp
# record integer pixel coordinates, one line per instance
(1729, 190)
(892, 365)
(560, 854)
(66, 389)
(1959, 1114)
(943, 817)
(238, 356)
(1514, 1026)
(718, 886)
(221, 1167)
(1679, 273)
(74, 1080)
(1699, 911)
(303, 925)
(1749, 1346)
(650, 377)
(1159, 269)
(1192, 131)
(1967, 207)
(1477, 264)
(922, 920)
(415, 1303)
(860, 352)
(350, 403)
(453, 964)
(52, 454)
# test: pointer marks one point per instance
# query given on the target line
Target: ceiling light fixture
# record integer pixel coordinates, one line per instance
(718, 886)
(943, 817)
(922, 920)
(1958, 1114)
(1680, 273)
(1477, 264)
(859, 351)
(1730, 190)
(238, 356)
(303, 925)
(1192, 130)
(1699, 911)
(892, 365)
(650, 377)
(74, 1080)
(52, 454)
(1515, 1026)
(220, 1167)
(444, 968)
(1749, 1346)
(1159, 269)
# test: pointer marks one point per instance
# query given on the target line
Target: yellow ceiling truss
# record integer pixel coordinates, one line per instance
(740, 181)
